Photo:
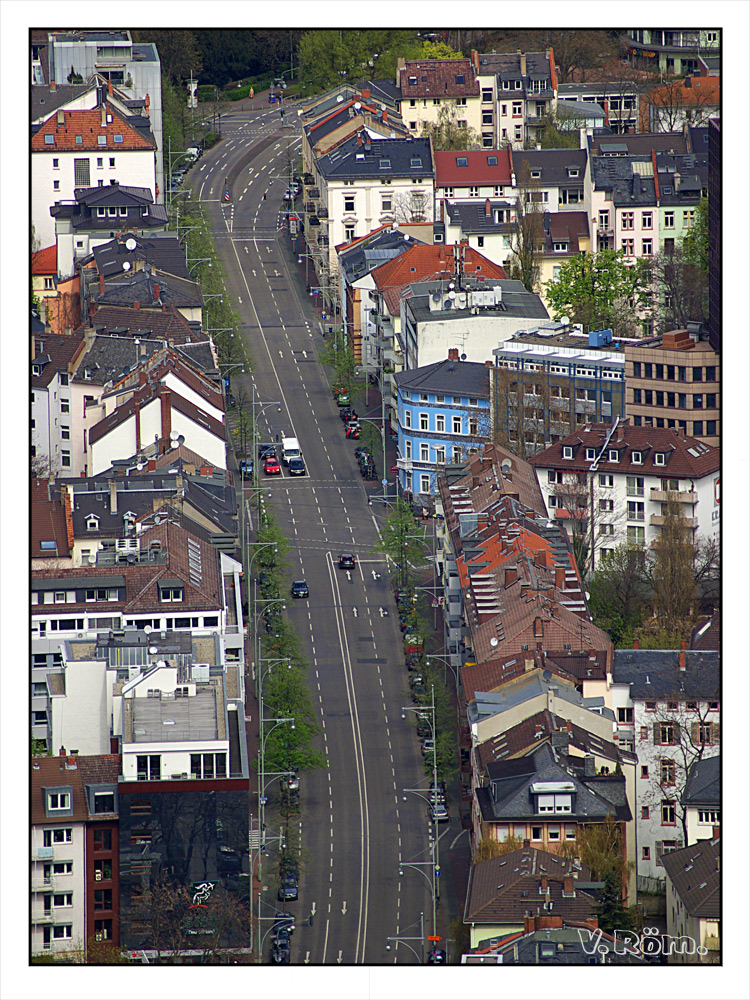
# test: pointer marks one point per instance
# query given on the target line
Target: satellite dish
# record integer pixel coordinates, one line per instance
(147, 629)
(505, 466)
(451, 295)
(181, 439)
(547, 675)
(153, 650)
(173, 436)
(130, 243)
(565, 320)
(126, 265)
(357, 106)
(406, 237)
(586, 594)
(141, 465)
(161, 663)
(339, 99)
(494, 641)
(436, 296)
(463, 357)
(447, 304)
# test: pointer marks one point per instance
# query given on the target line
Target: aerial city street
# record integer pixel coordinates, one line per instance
(376, 392)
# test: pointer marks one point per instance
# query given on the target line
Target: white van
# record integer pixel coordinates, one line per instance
(290, 449)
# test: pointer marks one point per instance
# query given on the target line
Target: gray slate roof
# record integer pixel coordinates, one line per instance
(464, 378)
(46, 99)
(655, 674)
(472, 216)
(141, 287)
(616, 174)
(553, 164)
(703, 785)
(342, 162)
(696, 877)
(109, 357)
(579, 109)
(517, 301)
(162, 252)
(374, 251)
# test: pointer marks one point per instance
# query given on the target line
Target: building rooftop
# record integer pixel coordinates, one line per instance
(511, 299)
(629, 180)
(51, 537)
(358, 258)
(156, 324)
(53, 353)
(695, 873)
(129, 252)
(637, 144)
(438, 78)
(379, 158)
(83, 131)
(196, 718)
(150, 288)
(465, 378)
(44, 261)
(556, 167)
(703, 785)
(478, 217)
(473, 167)
(422, 262)
(682, 456)
(656, 674)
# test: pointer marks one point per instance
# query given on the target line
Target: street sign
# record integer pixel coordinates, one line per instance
(434, 937)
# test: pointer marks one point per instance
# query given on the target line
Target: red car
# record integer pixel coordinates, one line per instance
(271, 466)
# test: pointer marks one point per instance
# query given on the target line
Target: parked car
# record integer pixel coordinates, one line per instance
(438, 813)
(436, 957)
(280, 953)
(343, 399)
(300, 588)
(346, 561)
(296, 467)
(428, 746)
(289, 888)
(271, 466)
(284, 921)
(291, 782)
(246, 466)
(266, 449)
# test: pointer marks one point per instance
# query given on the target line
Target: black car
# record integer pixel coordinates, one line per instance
(288, 890)
(264, 450)
(296, 467)
(283, 925)
(300, 588)
(346, 560)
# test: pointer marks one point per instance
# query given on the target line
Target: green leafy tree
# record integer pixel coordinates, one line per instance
(619, 592)
(555, 132)
(597, 289)
(400, 540)
(694, 243)
(178, 50)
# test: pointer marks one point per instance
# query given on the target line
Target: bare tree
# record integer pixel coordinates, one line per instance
(671, 570)
(414, 206)
(520, 406)
(590, 515)
(676, 102)
(447, 133)
(680, 291)
(527, 242)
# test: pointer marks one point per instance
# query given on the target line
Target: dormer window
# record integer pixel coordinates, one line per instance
(560, 247)
(660, 458)
(57, 801)
(637, 458)
(460, 78)
(590, 454)
(92, 523)
(101, 140)
(36, 369)
(462, 161)
(385, 164)
(101, 213)
(567, 451)
(536, 174)
(412, 81)
(416, 161)
(573, 171)
(49, 140)
(491, 161)
(614, 455)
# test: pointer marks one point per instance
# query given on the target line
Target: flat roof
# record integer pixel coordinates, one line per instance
(174, 720)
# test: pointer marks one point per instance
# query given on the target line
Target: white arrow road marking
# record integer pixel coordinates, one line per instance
(340, 959)
(375, 576)
(384, 612)
(280, 354)
(313, 909)
(343, 910)
(307, 958)
(356, 613)
(239, 300)
(349, 575)
(304, 354)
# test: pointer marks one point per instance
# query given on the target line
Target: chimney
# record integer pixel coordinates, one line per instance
(137, 415)
(487, 208)
(453, 354)
(529, 925)
(152, 465)
(636, 644)
(359, 138)
(543, 884)
(104, 114)
(551, 699)
(60, 118)
(589, 766)
(157, 292)
(148, 105)
(63, 752)
(385, 115)
(52, 85)
(523, 64)
(559, 578)
(166, 414)
(142, 378)
(511, 575)
(109, 87)
(101, 284)
(365, 95)
(489, 364)
(112, 496)
(568, 889)
(136, 305)
(682, 660)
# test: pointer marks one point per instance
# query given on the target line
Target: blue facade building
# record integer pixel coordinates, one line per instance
(443, 414)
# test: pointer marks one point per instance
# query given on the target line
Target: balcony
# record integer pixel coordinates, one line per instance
(43, 918)
(662, 496)
(43, 854)
(406, 464)
(658, 521)
(39, 884)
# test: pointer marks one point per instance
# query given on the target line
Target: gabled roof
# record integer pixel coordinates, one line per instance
(53, 354)
(477, 217)
(565, 227)
(161, 252)
(473, 167)
(465, 378)
(569, 666)
(145, 395)
(703, 785)
(695, 873)
(56, 772)
(44, 261)
(87, 124)
(707, 634)
(438, 78)
(48, 522)
(655, 674)
(637, 144)
(629, 179)
(150, 288)
(552, 164)
(169, 325)
(685, 457)
(502, 890)
(425, 261)
(363, 255)
(381, 158)
(109, 358)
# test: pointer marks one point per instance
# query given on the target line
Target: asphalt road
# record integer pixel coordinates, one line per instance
(356, 822)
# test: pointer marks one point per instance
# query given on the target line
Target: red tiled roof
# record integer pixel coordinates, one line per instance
(61, 349)
(420, 263)
(51, 772)
(164, 324)
(687, 457)
(48, 522)
(478, 171)
(568, 227)
(88, 124)
(44, 261)
(436, 78)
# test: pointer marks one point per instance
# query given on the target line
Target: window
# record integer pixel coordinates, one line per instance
(628, 247)
(606, 480)
(707, 733)
(57, 800)
(104, 802)
(553, 832)
(688, 218)
(424, 452)
(473, 191)
(62, 932)
(349, 233)
(635, 486)
(486, 95)
(349, 203)
(64, 406)
(457, 422)
(644, 770)
(49, 140)
(65, 459)
(440, 422)
(646, 220)
(62, 899)
(636, 510)
(386, 203)
(424, 483)
(667, 771)
(668, 812)
(536, 833)
(170, 595)
(518, 135)
(102, 899)
(407, 418)
(628, 220)
(645, 853)
(712, 816)
(424, 421)
(668, 221)
(148, 767)
(606, 505)
(647, 248)
(607, 529)
(59, 836)
(672, 706)
(103, 930)
(486, 118)
(666, 733)
(625, 715)
(644, 732)
(102, 871)
(567, 451)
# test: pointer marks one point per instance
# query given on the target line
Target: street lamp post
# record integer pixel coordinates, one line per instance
(404, 939)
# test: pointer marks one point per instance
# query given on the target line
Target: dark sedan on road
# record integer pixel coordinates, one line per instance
(346, 560)
(300, 588)
(296, 467)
